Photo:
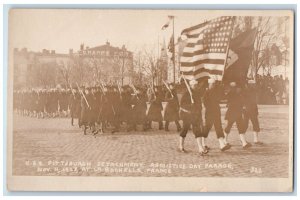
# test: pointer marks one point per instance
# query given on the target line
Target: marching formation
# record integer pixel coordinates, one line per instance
(104, 108)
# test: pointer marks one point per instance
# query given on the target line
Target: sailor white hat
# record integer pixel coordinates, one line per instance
(233, 84)
(193, 82)
(211, 80)
(251, 81)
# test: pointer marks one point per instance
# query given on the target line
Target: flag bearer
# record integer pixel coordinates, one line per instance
(190, 113)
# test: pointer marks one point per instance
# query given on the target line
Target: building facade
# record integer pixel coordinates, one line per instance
(87, 66)
(107, 63)
(38, 69)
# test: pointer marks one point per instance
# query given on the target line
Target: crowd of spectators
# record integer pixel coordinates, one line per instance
(272, 89)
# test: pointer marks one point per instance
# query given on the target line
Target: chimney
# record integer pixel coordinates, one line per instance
(24, 50)
(52, 51)
(82, 47)
(71, 51)
(87, 48)
(44, 51)
(107, 43)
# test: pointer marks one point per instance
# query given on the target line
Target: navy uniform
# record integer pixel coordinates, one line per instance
(251, 110)
(116, 103)
(154, 112)
(53, 103)
(85, 111)
(74, 102)
(211, 101)
(91, 97)
(172, 109)
(63, 101)
(126, 107)
(98, 96)
(234, 113)
(191, 115)
(139, 110)
(107, 111)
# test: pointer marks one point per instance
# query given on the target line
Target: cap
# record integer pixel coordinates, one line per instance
(193, 82)
(211, 80)
(232, 84)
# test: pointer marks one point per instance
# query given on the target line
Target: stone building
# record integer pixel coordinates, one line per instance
(87, 66)
(107, 63)
(38, 69)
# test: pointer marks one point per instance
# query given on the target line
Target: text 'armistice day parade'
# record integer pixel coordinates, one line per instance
(223, 62)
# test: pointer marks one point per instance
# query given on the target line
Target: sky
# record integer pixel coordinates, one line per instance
(61, 30)
(64, 29)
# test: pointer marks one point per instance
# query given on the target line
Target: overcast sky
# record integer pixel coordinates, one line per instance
(63, 29)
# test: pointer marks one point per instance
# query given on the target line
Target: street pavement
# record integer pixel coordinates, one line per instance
(52, 147)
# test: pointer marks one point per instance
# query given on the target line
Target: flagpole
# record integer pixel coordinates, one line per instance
(227, 51)
(173, 50)
(157, 62)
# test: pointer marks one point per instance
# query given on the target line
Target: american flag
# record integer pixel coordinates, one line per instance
(205, 54)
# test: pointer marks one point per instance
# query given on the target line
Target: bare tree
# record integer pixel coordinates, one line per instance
(139, 62)
(95, 65)
(79, 71)
(150, 67)
(65, 69)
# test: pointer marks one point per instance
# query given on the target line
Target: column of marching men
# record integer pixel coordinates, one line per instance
(98, 109)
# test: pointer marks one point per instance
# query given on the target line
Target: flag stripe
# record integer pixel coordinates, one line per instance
(196, 48)
(202, 76)
(205, 52)
(205, 65)
(198, 62)
(211, 71)
(193, 28)
(193, 53)
(195, 40)
(197, 57)
(193, 35)
(194, 44)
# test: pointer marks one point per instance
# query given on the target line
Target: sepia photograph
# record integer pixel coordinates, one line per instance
(150, 100)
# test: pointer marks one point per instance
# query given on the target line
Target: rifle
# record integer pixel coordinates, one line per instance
(168, 88)
(102, 85)
(134, 90)
(72, 90)
(188, 88)
(152, 90)
(119, 88)
(83, 95)
(102, 88)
